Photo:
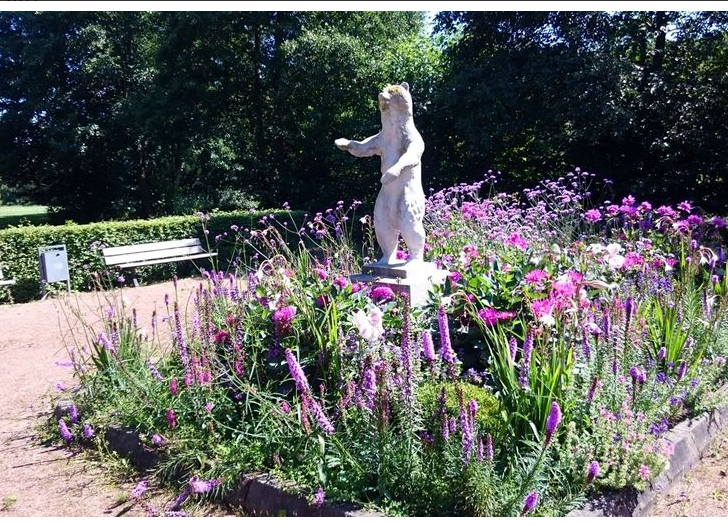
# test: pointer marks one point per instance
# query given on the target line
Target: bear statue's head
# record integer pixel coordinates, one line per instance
(397, 99)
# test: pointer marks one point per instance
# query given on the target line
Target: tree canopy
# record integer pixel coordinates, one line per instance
(136, 114)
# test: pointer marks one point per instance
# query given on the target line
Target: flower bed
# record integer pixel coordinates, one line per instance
(567, 341)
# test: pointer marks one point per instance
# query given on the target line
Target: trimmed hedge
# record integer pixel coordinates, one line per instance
(19, 248)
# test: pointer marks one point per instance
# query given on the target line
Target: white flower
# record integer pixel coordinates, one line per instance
(547, 320)
(614, 248)
(596, 248)
(615, 261)
(369, 324)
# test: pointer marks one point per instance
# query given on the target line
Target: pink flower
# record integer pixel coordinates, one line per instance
(321, 273)
(222, 337)
(171, 419)
(516, 240)
(536, 277)
(543, 310)
(644, 472)
(381, 294)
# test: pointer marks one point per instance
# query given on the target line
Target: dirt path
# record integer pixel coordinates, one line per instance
(704, 490)
(36, 480)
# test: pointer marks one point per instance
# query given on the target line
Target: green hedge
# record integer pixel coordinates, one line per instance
(19, 248)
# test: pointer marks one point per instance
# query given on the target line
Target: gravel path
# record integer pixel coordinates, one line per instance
(37, 480)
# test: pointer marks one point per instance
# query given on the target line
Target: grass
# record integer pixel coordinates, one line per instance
(21, 215)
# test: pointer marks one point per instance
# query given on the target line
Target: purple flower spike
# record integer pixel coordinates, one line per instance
(73, 414)
(199, 486)
(592, 472)
(88, 431)
(682, 369)
(489, 448)
(140, 489)
(552, 421)
(157, 439)
(428, 347)
(445, 345)
(319, 497)
(530, 502)
(63, 430)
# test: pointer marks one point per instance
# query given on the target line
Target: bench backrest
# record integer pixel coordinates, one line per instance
(151, 251)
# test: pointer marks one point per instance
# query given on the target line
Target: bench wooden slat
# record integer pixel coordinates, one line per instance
(150, 247)
(170, 259)
(115, 260)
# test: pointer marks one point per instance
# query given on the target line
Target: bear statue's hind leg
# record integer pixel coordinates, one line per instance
(413, 234)
(388, 238)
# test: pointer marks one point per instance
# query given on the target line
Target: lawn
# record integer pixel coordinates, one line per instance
(16, 215)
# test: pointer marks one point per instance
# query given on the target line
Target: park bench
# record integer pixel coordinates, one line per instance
(136, 255)
(3, 281)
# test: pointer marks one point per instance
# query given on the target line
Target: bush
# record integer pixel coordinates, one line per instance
(19, 248)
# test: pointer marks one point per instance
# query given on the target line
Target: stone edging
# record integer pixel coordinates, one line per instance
(257, 494)
(691, 439)
(265, 495)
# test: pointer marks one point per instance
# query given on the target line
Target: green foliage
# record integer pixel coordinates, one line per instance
(488, 412)
(19, 248)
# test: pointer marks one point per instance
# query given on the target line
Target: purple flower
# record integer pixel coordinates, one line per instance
(175, 513)
(341, 281)
(381, 294)
(593, 389)
(319, 497)
(526, 359)
(455, 276)
(140, 489)
(491, 316)
(489, 447)
(63, 430)
(662, 353)
(592, 472)
(73, 414)
(428, 347)
(682, 369)
(718, 222)
(321, 273)
(173, 386)
(445, 345)
(297, 372)
(88, 432)
(199, 486)
(180, 500)
(467, 435)
(552, 421)
(369, 385)
(513, 348)
(171, 419)
(529, 503)
(685, 206)
(157, 439)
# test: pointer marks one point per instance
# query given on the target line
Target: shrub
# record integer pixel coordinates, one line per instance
(19, 247)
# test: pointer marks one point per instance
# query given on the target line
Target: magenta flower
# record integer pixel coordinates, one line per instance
(283, 317)
(381, 294)
(685, 206)
(517, 241)
(592, 472)
(491, 316)
(321, 273)
(592, 216)
(529, 503)
(63, 430)
(171, 419)
(455, 276)
(341, 281)
(173, 387)
(222, 337)
(552, 421)
(536, 277)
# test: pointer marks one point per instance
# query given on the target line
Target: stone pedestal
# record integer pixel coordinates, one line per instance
(416, 279)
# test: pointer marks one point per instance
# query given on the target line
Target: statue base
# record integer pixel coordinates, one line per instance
(416, 279)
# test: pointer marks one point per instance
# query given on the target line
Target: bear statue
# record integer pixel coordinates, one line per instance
(400, 205)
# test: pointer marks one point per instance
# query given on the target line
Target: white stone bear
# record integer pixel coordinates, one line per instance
(400, 205)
